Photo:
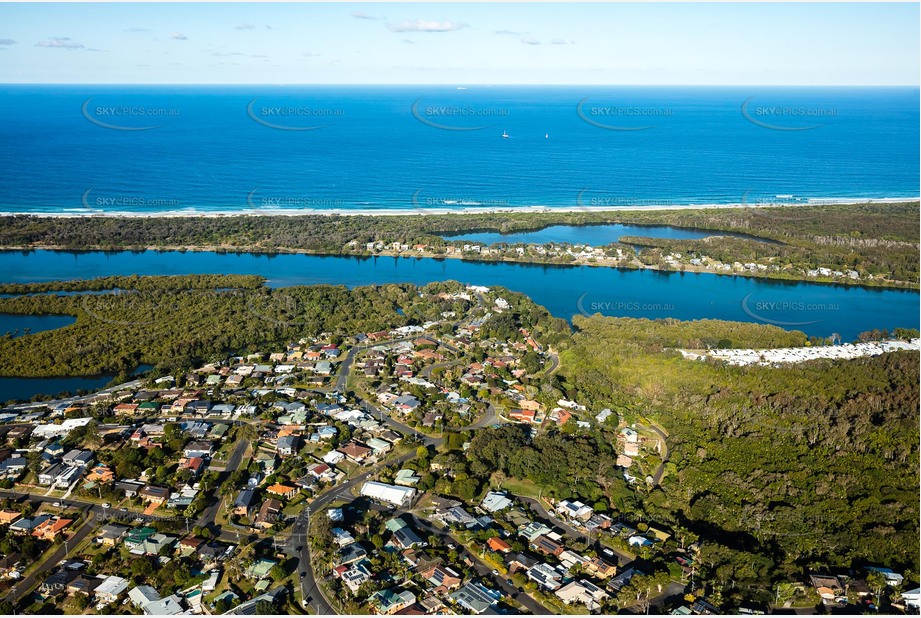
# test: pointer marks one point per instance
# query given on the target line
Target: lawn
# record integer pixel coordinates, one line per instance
(520, 487)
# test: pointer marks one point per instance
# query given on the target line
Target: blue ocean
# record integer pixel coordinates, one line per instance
(152, 149)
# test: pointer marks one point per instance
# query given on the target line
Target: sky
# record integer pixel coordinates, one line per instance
(461, 43)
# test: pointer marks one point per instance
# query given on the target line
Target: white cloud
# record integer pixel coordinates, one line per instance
(178, 36)
(60, 42)
(423, 25)
(529, 41)
(7, 42)
(363, 15)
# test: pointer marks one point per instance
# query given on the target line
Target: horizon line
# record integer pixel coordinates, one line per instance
(460, 84)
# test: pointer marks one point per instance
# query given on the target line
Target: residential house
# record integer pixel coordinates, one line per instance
(287, 445)
(379, 447)
(243, 505)
(389, 601)
(7, 517)
(407, 478)
(442, 577)
(50, 474)
(268, 514)
(498, 545)
(12, 467)
(351, 553)
(477, 598)
(111, 534)
(51, 528)
(155, 545)
(167, 606)
(100, 473)
(143, 595)
(199, 448)
(56, 583)
(547, 546)
(267, 461)
(285, 491)
(78, 458)
(356, 575)
(582, 591)
(110, 588)
(599, 567)
(355, 452)
(392, 494)
(827, 586)
(260, 568)
(520, 561)
(83, 585)
(545, 576)
(496, 501)
(574, 510)
(153, 494)
(404, 538)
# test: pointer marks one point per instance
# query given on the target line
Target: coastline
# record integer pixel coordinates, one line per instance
(626, 266)
(424, 211)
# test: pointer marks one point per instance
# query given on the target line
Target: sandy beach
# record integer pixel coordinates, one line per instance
(421, 210)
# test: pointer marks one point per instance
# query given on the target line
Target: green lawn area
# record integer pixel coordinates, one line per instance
(521, 487)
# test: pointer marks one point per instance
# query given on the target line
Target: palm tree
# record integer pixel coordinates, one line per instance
(877, 583)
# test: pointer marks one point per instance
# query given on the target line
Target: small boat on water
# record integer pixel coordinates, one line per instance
(505, 134)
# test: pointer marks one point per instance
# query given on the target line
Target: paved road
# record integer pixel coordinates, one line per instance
(299, 538)
(482, 569)
(428, 369)
(554, 363)
(489, 419)
(25, 586)
(40, 404)
(299, 542)
(233, 462)
(570, 531)
(660, 471)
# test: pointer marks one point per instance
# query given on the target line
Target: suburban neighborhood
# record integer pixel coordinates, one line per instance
(334, 476)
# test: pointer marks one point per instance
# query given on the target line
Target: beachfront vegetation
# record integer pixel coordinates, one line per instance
(877, 239)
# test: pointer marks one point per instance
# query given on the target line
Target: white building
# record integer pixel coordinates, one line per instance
(392, 494)
(574, 509)
(582, 591)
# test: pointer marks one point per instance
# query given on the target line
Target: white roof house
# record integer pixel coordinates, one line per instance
(574, 509)
(912, 598)
(333, 457)
(392, 494)
(111, 587)
(496, 501)
(142, 595)
(169, 606)
(582, 591)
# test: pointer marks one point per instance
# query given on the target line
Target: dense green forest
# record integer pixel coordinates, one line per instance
(177, 322)
(780, 468)
(875, 238)
(897, 260)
